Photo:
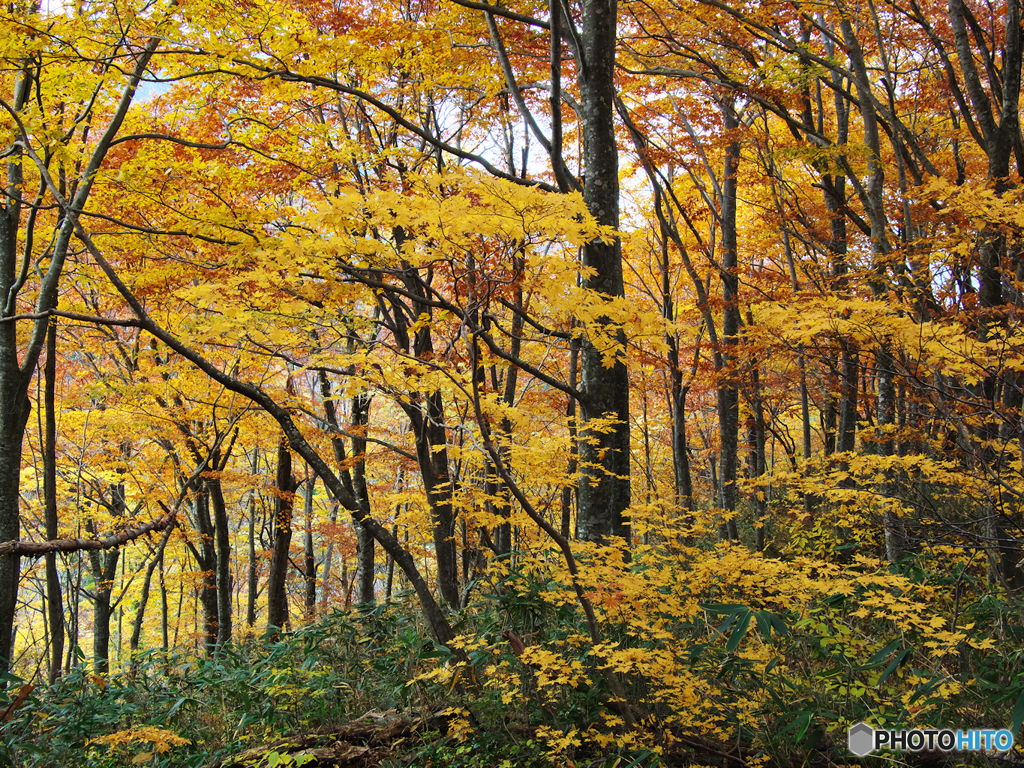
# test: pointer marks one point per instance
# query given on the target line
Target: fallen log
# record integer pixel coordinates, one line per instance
(361, 743)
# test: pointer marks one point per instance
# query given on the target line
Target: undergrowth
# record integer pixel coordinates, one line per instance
(725, 656)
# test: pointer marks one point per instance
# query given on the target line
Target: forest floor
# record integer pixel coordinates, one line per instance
(375, 739)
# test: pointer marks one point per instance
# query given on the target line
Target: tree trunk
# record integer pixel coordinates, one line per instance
(165, 643)
(604, 487)
(253, 582)
(432, 457)
(104, 569)
(140, 613)
(284, 499)
(365, 554)
(756, 463)
(74, 614)
(570, 493)
(872, 199)
(677, 390)
(838, 248)
(728, 393)
(224, 578)
(328, 559)
(54, 601)
(309, 564)
(14, 402)
(206, 556)
(391, 569)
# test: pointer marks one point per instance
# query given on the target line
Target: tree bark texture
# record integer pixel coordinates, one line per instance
(728, 391)
(284, 500)
(604, 487)
(54, 597)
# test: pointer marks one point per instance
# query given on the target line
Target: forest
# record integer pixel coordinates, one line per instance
(605, 383)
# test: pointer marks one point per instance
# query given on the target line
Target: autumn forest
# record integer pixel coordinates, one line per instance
(544, 382)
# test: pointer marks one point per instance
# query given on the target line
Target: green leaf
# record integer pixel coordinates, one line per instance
(768, 621)
(764, 624)
(879, 656)
(779, 623)
(925, 689)
(737, 634)
(639, 760)
(1018, 714)
(177, 706)
(801, 722)
(900, 658)
(833, 672)
(729, 608)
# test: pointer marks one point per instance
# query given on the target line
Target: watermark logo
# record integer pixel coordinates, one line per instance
(863, 739)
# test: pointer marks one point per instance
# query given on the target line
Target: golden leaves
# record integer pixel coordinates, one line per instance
(161, 739)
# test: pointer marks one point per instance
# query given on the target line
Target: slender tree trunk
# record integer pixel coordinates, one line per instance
(838, 248)
(677, 390)
(309, 565)
(140, 613)
(391, 569)
(503, 532)
(253, 582)
(165, 644)
(74, 613)
(365, 549)
(680, 447)
(728, 393)
(570, 493)
(757, 463)
(328, 559)
(13, 419)
(54, 601)
(284, 495)
(354, 481)
(432, 456)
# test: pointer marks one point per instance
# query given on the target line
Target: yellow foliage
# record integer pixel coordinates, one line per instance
(161, 739)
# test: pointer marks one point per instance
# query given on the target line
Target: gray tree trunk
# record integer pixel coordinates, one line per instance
(604, 488)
